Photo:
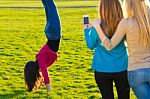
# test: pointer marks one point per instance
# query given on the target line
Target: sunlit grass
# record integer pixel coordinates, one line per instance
(39, 4)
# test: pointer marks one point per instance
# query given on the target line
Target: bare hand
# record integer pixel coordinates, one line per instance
(87, 26)
(48, 87)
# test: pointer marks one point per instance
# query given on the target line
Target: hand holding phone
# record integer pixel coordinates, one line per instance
(86, 23)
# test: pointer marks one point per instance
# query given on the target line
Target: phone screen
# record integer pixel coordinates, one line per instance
(86, 19)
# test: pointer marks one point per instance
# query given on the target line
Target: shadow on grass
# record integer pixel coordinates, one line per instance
(14, 94)
(22, 94)
(93, 97)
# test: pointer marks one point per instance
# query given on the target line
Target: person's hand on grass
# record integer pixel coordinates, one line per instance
(48, 87)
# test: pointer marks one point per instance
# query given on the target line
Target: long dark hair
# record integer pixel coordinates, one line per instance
(32, 75)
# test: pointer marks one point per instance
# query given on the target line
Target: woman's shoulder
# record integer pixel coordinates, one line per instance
(126, 21)
(149, 13)
(130, 18)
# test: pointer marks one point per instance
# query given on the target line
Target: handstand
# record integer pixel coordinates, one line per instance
(35, 71)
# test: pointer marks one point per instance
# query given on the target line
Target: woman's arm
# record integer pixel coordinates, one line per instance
(90, 37)
(109, 44)
(42, 64)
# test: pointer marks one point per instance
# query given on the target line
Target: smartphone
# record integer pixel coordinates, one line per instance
(86, 19)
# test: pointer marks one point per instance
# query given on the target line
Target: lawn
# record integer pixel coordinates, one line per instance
(21, 36)
(39, 4)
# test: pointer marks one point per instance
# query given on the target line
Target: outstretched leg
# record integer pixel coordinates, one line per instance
(46, 8)
(53, 27)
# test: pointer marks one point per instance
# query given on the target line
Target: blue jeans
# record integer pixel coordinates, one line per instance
(53, 25)
(139, 81)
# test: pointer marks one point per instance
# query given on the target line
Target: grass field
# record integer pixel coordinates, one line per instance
(21, 36)
(39, 4)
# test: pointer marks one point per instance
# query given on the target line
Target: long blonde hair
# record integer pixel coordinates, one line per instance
(139, 11)
(110, 13)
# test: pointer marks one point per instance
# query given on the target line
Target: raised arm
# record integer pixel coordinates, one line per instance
(91, 37)
(109, 44)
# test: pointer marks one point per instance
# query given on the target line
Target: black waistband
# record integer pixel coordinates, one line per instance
(53, 45)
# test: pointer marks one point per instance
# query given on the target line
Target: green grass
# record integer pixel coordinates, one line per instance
(21, 36)
(39, 4)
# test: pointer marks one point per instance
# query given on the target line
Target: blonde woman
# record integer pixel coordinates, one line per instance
(109, 66)
(136, 27)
